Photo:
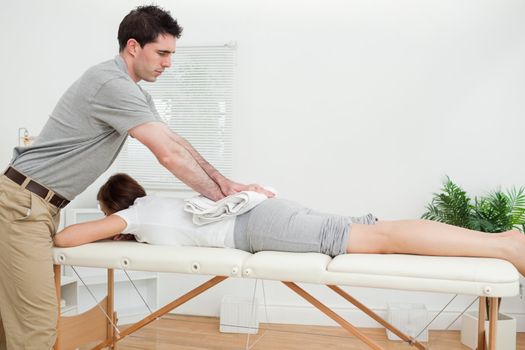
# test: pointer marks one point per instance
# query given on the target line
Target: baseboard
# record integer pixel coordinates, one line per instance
(291, 314)
(308, 315)
(312, 316)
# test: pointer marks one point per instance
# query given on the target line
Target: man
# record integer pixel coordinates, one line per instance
(82, 137)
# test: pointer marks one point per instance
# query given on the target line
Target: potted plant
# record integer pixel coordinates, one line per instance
(496, 212)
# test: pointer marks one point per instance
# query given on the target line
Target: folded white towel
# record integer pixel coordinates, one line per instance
(206, 211)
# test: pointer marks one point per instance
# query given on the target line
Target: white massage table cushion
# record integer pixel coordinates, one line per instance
(146, 257)
(283, 266)
(476, 276)
(462, 275)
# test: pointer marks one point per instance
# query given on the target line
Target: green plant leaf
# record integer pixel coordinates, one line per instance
(492, 213)
(496, 212)
(517, 203)
(452, 206)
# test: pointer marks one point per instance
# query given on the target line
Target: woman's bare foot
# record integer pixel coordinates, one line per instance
(516, 252)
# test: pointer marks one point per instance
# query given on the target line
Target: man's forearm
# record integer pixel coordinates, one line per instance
(213, 173)
(175, 154)
(185, 167)
(225, 186)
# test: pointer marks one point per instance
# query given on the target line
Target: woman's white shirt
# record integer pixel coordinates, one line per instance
(162, 220)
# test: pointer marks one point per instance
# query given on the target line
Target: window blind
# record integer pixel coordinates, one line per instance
(194, 97)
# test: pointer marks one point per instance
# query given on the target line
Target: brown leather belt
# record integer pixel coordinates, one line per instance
(33, 186)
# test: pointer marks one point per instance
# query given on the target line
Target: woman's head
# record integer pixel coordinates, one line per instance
(119, 193)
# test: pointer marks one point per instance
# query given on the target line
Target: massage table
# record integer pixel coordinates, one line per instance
(487, 278)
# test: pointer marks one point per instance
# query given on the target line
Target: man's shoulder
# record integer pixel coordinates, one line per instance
(108, 78)
(106, 71)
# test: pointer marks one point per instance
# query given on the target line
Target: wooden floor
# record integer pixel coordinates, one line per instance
(202, 333)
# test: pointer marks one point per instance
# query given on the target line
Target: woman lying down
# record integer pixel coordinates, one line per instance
(280, 225)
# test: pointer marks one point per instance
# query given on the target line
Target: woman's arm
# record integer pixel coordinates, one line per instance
(90, 231)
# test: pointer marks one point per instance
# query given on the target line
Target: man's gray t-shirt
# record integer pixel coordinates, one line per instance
(86, 130)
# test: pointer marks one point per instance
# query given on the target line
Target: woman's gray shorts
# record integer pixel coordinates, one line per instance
(281, 225)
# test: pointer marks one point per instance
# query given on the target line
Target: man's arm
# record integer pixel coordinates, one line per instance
(181, 159)
(164, 144)
(226, 186)
(213, 173)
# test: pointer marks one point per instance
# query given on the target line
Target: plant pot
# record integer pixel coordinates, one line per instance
(505, 331)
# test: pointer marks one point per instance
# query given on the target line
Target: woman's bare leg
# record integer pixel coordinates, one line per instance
(426, 237)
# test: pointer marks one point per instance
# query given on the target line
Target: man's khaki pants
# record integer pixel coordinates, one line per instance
(28, 305)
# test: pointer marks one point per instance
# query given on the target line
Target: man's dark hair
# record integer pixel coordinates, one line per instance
(145, 24)
(119, 192)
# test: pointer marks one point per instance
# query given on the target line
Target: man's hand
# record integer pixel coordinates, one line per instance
(229, 187)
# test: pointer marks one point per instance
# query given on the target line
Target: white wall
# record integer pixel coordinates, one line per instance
(345, 106)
